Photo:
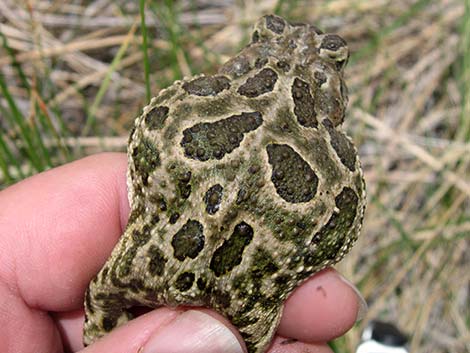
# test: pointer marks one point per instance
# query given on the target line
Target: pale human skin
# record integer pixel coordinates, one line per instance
(56, 231)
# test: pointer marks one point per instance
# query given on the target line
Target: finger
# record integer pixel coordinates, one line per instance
(322, 308)
(178, 331)
(57, 229)
(24, 329)
(288, 345)
(70, 327)
(175, 331)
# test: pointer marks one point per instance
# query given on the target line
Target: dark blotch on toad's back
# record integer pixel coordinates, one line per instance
(205, 141)
(207, 85)
(294, 179)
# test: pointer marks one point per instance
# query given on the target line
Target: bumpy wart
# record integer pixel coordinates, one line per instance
(241, 186)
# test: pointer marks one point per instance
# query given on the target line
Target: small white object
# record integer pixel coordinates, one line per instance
(376, 347)
(382, 337)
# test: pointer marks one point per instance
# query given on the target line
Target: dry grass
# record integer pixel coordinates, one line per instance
(74, 80)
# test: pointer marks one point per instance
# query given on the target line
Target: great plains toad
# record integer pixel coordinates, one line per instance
(241, 186)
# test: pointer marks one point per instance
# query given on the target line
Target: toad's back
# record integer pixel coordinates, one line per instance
(241, 185)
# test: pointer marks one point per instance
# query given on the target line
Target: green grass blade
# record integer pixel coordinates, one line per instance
(278, 7)
(91, 119)
(35, 139)
(405, 237)
(376, 40)
(464, 131)
(3, 162)
(18, 119)
(42, 95)
(285, 8)
(7, 154)
(45, 153)
(46, 122)
(145, 50)
(168, 16)
(16, 65)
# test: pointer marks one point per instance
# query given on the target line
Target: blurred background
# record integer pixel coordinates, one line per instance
(74, 74)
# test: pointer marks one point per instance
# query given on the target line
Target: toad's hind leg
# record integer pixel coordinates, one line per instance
(118, 286)
(104, 310)
(110, 299)
(254, 307)
(258, 327)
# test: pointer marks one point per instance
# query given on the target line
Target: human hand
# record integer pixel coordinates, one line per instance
(57, 230)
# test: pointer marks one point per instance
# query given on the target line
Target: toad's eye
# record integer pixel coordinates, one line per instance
(332, 42)
(334, 49)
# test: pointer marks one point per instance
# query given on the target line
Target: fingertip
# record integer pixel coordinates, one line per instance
(133, 336)
(116, 172)
(105, 174)
(196, 331)
(171, 330)
(322, 308)
(70, 326)
(288, 345)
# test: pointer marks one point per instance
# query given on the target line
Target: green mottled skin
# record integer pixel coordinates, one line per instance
(241, 186)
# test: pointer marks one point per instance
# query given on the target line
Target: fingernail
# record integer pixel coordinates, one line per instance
(362, 310)
(193, 331)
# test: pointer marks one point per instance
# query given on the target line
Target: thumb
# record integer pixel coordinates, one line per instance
(171, 331)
